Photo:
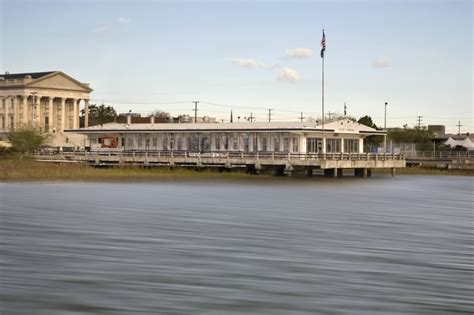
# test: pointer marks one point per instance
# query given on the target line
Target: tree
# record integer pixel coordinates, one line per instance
(367, 120)
(422, 137)
(27, 139)
(99, 115)
(161, 116)
(370, 141)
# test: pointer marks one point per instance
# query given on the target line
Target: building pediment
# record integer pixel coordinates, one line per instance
(59, 81)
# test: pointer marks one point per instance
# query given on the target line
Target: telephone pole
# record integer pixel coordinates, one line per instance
(330, 115)
(250, 118)
(269, 115)
(301, 117)
(195, 110)
(419, 121)
(459, 127)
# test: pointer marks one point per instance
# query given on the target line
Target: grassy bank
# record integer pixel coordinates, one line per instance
(30, 170)
(423, 170)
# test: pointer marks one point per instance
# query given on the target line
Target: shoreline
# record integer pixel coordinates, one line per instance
(27, 170)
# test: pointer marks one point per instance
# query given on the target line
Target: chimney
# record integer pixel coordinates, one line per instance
(152, 120)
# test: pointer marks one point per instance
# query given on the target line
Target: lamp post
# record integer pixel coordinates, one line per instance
(385, 128)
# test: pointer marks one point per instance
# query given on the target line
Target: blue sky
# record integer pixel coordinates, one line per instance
(250, 56)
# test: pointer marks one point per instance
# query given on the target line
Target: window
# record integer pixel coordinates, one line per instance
(286, 144)
(314, 145)
(276, 143)
(235, 143)
(333, 145)
(264, 144)
(351, 145)
(295, 144)
(217, 144)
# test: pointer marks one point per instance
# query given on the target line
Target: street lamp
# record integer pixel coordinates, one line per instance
(385, 128)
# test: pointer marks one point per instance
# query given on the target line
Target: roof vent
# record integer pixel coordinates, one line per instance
(6, 72)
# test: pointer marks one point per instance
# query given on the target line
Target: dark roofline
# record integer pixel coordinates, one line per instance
(34, 75)
(189, 130)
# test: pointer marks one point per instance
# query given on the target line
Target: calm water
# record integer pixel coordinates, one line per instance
(400, 245)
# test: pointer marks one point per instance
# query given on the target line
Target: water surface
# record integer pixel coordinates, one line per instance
(400, 245)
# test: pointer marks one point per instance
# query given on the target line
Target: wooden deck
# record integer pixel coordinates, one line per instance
(287, 161)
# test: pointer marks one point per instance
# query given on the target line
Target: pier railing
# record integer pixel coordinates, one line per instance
(443, 155)
(229, 155)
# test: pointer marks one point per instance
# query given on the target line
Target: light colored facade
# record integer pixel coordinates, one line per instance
(49, 101)
(343, 136)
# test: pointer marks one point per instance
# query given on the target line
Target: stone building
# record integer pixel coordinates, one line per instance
(50, 101)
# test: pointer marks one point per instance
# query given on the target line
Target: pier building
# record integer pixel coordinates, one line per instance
(285, 146)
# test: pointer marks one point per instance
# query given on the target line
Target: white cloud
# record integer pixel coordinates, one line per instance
(299, 53)
(101, 28)
(288, 74)
(123, 20)
(381, 63)
(251, 63)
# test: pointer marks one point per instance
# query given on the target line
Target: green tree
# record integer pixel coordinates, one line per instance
(370, 141)
(27, 139)
(422, 137)
(367, 120)
(161, 116)
(99, 115)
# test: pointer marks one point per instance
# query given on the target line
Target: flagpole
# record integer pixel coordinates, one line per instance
(323, 44)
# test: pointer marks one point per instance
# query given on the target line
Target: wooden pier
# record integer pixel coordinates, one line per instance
(284, 163)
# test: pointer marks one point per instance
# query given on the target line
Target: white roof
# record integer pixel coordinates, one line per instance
(342, 126)
(467, 143)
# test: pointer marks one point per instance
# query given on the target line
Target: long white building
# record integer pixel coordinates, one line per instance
(343, 136)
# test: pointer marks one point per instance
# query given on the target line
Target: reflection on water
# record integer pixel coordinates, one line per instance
(391, 246)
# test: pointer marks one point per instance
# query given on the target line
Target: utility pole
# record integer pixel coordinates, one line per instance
(459, 127)
(269, 115)
(195, 110)
(419, 122)
(301, 117)
(330, 115)
(251, 117)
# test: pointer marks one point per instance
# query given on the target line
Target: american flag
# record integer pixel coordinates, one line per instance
(323, 45)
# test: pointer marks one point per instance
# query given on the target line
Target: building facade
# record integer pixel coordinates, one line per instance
(50, 101)
(343, 136)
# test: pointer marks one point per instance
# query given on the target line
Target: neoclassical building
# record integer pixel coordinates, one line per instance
(50, 101)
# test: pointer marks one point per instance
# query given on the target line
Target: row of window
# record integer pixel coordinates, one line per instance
(333, 145)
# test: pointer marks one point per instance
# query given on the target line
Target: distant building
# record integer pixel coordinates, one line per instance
(438, 130)
(49, 101)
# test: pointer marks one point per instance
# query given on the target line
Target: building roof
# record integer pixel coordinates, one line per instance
(340, 126)
(33, 75)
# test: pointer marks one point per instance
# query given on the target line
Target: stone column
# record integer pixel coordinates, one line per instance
(15, 113)
(75, 120)
(38, 112)
(86, 113)
(63, 113)
(25, 109)
(7, 118)
(51, 122)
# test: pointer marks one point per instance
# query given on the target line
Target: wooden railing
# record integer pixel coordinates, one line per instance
(230, 155)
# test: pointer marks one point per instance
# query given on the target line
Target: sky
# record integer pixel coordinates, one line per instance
(250, 56)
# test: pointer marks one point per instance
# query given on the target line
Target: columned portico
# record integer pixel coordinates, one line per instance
(48, 101)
